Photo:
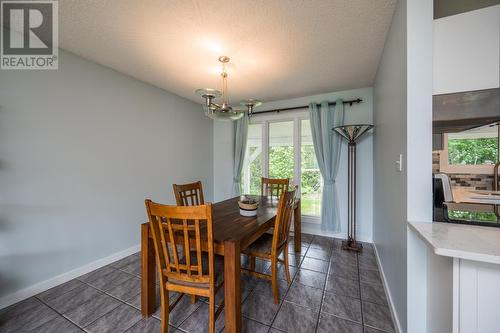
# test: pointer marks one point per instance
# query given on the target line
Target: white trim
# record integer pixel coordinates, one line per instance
(315, 229)
(395, 319)
(64, 277)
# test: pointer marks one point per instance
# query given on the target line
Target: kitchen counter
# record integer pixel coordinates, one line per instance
(461, 241)
(463, 266)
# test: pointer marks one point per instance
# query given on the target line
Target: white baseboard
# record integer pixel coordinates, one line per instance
(65, 277)
(388, 293)
(317, 231)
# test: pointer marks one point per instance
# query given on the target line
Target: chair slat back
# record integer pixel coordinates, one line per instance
(283, 219)
(273, 187)
(189, 194)
(178, 232)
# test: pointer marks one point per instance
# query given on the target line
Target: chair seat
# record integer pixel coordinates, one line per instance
(261, 247)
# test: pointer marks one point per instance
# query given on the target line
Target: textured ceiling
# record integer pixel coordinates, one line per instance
(279, 49)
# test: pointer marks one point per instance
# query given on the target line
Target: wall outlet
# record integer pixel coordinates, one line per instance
(399, 163)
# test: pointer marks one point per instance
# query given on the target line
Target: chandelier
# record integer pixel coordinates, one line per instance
(224, 110)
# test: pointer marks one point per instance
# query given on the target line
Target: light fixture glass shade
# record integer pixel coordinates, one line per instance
(219, 115)
(352, 132)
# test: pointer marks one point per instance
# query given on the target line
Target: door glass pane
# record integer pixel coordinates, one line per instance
(281, 150)
(311, 182)
(252, 166)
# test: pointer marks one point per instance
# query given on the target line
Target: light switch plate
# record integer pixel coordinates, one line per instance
(399, 163)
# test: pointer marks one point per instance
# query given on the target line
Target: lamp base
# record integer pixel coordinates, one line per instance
(352, 245)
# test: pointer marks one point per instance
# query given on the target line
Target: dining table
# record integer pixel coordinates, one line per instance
(232, 233)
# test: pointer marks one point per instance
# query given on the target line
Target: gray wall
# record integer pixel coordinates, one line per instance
(389, 185)
(80, 150)
(403, 120)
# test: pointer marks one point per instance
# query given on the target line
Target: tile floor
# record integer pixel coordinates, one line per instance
(331, 291)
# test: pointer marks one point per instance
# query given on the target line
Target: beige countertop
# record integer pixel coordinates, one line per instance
(460, 241)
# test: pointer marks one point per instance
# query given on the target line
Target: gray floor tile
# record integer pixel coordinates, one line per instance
(181, 311)
(58, 325)
(281, 271)
(294, 260)
(108, 281)
(197, 322)
(306, 238)
(265, 287)
(344, 271)
(377, 316)
(374, 293)
(92, 309)
(251, 326)
(332, 324)
(73, 299)
(261, 265)
(311, 278)
(149, 325)
(118, 320)
(305, 296)
(370, 276)
(248, 282)
(315, 265)
(260, 308)
(322, 254)
(345, 258)
(368, 329)
(322, 242)
(367, 263)
(295, 318)
(25, 316)
(303, 249)
(127, 289)
(341, 286)
(134, 258)
(96, 274)
(342, 306)
(59, 290)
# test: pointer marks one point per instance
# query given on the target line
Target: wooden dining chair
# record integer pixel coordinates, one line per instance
(273, 187)
(270, 246)
(179, 234)
(189, 194)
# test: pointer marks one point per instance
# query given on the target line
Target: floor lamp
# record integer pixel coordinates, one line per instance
(352, 133)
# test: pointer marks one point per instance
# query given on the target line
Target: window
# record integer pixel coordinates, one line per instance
(311, 181)
(471, 151)
(281, 152)
(252, 166)
(282, 148)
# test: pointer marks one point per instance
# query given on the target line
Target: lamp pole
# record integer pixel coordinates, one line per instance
(351, 133)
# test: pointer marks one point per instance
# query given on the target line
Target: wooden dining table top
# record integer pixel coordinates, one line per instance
(228, 224)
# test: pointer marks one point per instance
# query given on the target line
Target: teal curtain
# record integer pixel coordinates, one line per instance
(240, 144)
(327, 148)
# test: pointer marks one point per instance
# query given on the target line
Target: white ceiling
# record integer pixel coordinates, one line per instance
(279, 49)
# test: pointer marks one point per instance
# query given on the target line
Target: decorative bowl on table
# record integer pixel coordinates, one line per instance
(248, 207)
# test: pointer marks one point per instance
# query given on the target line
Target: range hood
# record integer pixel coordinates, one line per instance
(465, 110)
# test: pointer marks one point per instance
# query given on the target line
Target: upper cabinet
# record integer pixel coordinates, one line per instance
(467, 51)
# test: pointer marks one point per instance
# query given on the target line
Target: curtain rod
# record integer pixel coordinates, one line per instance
(350, 102)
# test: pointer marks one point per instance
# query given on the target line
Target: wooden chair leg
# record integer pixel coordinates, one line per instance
(211, 313)
(287, 269)
(274, 273)
(193, 299)
(252, 262)
(164, 311)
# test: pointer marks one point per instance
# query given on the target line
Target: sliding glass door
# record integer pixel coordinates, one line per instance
(283, 148)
